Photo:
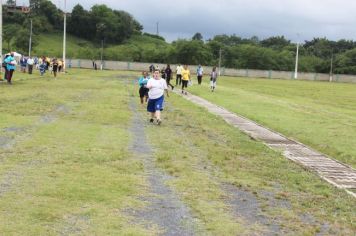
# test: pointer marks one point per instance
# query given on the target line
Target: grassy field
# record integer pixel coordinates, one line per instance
(67, 169)
(319, 114)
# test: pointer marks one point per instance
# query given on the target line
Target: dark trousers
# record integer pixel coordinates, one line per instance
(200, 79)
(9, 75)
(168, 80)
(185, 84)
(5, 74)
(30, 69)
(179, 80)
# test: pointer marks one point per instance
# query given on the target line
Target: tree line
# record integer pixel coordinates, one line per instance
(115, 27)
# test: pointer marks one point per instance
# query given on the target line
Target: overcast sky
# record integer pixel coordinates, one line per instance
(334, 19)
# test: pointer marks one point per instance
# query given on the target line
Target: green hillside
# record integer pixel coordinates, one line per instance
(133, 49)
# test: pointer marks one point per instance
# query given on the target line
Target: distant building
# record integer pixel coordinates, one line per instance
(12, 8)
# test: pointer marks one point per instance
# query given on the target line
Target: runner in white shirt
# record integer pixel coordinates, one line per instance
(156, 86)
(179, 75)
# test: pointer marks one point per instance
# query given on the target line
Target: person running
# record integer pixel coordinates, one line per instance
(156, 86)
(168, 73)
(163, 73)
(55, 67)
(200, 72)
(10, 66)
(30, 63)
(142, 82)
(185, 78)
(42, 67)
(213, 79)
(179, 75)
(152, 68)
(60, 65)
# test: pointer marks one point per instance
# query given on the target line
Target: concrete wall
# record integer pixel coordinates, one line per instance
(138, 66)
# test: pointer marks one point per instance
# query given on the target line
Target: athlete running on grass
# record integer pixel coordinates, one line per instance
(213, 79)
(142, 82)
(156, 86)
(185, 78)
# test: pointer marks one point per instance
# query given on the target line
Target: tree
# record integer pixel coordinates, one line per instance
(9, 33)
(278, 42)
(198, 36)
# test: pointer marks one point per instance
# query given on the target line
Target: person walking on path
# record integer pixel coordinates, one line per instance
(30, 63)
(142, 82)
(156, 86)
(213, 79)
(179, 75)
(168, 73)
(185, 78)
(10, 66)
(200, 72)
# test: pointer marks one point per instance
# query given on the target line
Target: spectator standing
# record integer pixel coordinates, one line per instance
(23, 64)
(30, 63)
(10, 66)
(200, 73)
(4, 65)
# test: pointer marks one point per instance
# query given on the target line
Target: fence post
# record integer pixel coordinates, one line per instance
(270, 74)
(247, 74)
(292, 75)
(104, 64)
(79, 64)
(128, 65)
(70, 63)
(315, 76)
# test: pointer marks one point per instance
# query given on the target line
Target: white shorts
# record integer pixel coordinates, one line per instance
(213, 83)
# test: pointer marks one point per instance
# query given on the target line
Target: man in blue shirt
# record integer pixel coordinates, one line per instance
(10, 67)
(200, 72)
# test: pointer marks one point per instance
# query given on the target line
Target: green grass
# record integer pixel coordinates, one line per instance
(321, 115)
(201, 151)
(76, 175)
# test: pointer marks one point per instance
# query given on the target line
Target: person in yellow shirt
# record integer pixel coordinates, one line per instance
(60, 65)
(185, 78)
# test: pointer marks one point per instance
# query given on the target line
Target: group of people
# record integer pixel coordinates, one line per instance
(27, 64)
(152, 89)
(43, 64)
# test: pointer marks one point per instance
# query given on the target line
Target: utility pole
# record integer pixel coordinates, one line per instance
(220, 58)
(101, 54)
(65, 36)
(157, 28)
(331, 67)
(296, 62)
(1, 59)
(30, 43)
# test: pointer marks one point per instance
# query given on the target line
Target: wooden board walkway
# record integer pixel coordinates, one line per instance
(336, 173)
